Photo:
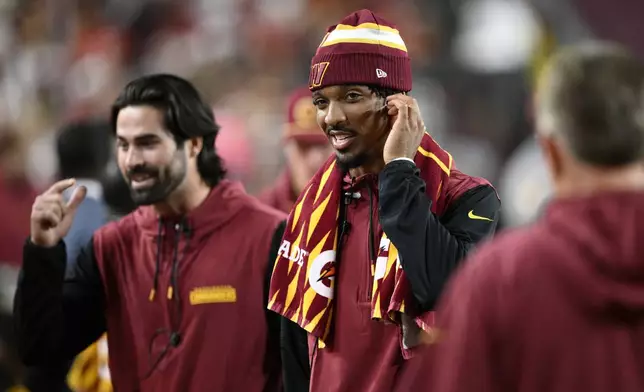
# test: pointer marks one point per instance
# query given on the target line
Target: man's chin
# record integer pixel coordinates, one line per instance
(144, 197)
(348, 161)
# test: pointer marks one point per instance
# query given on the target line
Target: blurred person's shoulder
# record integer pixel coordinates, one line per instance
(513, 258)
(498, 290)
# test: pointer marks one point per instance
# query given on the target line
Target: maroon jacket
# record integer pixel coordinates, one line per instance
(555, 307)
(366, 355)
(280, 195)
(213, 336)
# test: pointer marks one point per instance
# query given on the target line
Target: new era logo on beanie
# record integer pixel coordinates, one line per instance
(362, 49)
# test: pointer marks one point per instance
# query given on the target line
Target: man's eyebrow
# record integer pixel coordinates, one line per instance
(140, 138)
(147, 136)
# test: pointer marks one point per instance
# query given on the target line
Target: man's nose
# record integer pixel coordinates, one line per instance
(334, 115)
(133, 158)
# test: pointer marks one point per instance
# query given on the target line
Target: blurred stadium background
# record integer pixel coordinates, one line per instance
(475, 62)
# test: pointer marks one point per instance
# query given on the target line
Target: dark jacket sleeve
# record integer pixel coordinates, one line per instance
(295, 357)
(58, 312)
(273, 361)
(292, 339)
(431, 248)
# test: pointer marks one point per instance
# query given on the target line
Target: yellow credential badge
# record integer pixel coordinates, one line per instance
(213, 295)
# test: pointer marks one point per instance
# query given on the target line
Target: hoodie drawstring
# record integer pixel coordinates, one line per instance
(372, 247)
(153, 291)
(173, 291)
(173, 276)
(172, 288)
(372, 250)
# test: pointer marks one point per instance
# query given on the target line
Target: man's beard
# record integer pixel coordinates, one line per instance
(156, 193)
(346, 162)
(166, 181)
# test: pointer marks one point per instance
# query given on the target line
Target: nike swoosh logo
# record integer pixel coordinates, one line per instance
(476, 217)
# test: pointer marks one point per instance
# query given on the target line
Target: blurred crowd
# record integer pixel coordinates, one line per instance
(474, 61)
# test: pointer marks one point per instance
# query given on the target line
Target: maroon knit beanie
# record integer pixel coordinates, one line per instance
(362, 49)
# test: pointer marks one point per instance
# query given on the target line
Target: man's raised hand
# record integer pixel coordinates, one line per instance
(407, 129)
(51, 216)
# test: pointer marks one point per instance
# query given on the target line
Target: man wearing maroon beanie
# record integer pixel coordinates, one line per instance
(306, 148)
(380, 227)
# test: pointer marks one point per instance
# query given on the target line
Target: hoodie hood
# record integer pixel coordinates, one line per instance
(602, 238)
(225, 201)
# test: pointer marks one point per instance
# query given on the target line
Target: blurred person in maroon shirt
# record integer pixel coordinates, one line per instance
(559, 305)
(16, 195)
(306, 149)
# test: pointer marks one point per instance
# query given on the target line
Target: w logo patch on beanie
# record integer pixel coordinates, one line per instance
(317, 73)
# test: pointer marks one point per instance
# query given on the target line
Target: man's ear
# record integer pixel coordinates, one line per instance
(552, 154)
(195, 145)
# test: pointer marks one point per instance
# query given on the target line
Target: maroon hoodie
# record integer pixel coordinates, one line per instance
(555, 307)
(210, 332)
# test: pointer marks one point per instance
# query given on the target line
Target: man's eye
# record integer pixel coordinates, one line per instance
(353, 96)
(319, 102)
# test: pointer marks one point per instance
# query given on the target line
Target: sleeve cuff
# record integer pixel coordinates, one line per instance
(41, 259)
(403, 159)
(399, 166)
(38, 250)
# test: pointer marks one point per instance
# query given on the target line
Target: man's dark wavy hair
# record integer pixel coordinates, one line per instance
(185, 114)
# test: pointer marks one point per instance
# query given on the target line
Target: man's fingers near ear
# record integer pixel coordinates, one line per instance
(417, 116)
(403, 112)
(395, 96)
(411, 116)
(395, 106)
